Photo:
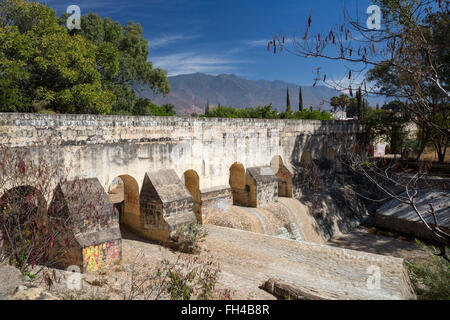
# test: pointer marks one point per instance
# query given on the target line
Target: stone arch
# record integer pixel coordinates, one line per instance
(237, 176)
(192, 183)
(238, 185)
(284, 175)
(124, 193)
(331, 154)
(306, 158)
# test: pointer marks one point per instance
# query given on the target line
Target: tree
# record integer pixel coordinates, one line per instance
(207, 108)
(288, 102)
(134, 68)
(408, 58)
(300, 99)
(359, 109)
(44, 68)
(341, 102)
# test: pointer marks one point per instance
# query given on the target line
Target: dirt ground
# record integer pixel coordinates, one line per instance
(364, 239)
(247, 260)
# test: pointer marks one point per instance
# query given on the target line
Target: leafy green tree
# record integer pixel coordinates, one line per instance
(44, 68)
(134, 69)
(266, 112)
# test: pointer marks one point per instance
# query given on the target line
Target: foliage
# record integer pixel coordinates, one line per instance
(44, 68)
(387, 125)
(143, 107)
(288, 102)
(266, 112)
(300, 99)
(186, 278)
(33, 236)
(189, 238)
(134, 69)
(341, 101)
(431, 280)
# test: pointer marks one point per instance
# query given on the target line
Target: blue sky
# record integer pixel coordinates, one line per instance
(226, 36)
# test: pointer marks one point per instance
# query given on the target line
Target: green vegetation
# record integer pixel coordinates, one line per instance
(431, 280)
(46, 68)
(266, 112)
(388, 125)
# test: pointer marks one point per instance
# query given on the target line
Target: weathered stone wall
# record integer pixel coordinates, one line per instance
(110, 146)
(215, 200)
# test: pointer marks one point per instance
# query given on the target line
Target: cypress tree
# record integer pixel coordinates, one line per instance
(288, 102)
(359, 111)
(300, 99)
(207, 108)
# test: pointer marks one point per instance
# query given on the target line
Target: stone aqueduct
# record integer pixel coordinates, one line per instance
(175, 170)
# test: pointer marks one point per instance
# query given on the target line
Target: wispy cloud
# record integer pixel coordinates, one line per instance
(257, 43)
(165, 40)
(192, 62)
(263, 42)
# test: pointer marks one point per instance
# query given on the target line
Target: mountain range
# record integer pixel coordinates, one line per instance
(191, 92)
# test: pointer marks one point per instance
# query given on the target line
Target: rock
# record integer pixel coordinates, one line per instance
(15, 286)
(10, 279)
(31, 293)
(287, 291)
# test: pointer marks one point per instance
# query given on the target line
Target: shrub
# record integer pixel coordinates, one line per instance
(431, 280)
(189, 238)
(188, 277)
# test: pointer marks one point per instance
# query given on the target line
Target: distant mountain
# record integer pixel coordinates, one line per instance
(190, 93)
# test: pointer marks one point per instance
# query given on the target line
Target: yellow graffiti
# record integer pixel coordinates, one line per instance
(95, 256)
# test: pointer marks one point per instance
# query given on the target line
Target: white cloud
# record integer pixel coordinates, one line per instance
(258, 43)
(192, 62)
(165, 40)
(263, 42)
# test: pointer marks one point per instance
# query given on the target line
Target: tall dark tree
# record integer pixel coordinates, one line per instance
(300, 99)
(288, 102)
(207, 108)
(359, 109)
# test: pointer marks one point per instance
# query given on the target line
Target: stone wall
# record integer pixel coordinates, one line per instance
(215, 200)
(146, 151)
(110, 146)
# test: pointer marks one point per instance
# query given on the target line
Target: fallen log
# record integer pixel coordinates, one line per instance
(287, 291)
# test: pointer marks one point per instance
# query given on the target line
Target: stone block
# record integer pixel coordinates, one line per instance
(166, 205)
(263, 186)
(94, 233)
(215, 200)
